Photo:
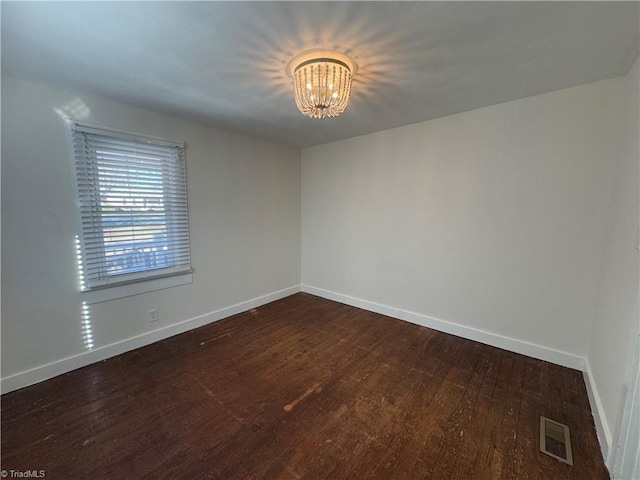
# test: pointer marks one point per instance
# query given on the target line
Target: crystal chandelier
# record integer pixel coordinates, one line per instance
(322, 83)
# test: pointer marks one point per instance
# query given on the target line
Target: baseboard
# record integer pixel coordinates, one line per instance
(53, 369)
(602, 427)
(513, 345)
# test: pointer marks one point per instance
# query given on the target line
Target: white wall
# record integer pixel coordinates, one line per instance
(492, 219)
(615, 326)
(244, 209)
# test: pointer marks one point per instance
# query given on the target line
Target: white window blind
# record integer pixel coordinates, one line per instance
(133, 207)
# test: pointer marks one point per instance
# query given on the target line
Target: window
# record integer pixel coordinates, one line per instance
(133, 207)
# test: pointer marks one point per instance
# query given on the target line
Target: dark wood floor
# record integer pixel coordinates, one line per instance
(302, 388)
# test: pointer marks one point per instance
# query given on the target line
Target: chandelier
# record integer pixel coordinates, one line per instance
(322, 83)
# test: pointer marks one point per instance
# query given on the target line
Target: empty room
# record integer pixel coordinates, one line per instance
(320, 240)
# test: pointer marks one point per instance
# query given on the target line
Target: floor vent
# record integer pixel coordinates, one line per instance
(555, 440)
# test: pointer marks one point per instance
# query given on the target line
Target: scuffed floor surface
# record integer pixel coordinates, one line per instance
(302, 388)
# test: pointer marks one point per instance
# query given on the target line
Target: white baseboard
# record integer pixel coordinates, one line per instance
(53, 369)
(602, 427)
(513, 345)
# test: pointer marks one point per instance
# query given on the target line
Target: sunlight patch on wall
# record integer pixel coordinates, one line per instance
(86, 329)
(76, 109)
(83, 285)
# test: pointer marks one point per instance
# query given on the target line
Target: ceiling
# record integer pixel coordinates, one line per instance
(223, 63)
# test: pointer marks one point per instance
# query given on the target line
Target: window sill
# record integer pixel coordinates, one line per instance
(128, 290)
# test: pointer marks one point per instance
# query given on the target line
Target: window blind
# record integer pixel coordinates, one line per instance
(133, 206)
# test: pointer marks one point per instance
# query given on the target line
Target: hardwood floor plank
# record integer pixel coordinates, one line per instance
(302, 388)
(478, 418)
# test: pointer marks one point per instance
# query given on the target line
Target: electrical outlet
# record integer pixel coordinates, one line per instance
(153, 314)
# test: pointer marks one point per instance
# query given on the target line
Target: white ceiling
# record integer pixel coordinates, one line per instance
(223, 63)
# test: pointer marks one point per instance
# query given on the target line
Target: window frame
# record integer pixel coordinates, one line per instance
(133, 283)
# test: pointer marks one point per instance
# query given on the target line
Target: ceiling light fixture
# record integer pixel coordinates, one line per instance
(322, 82)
